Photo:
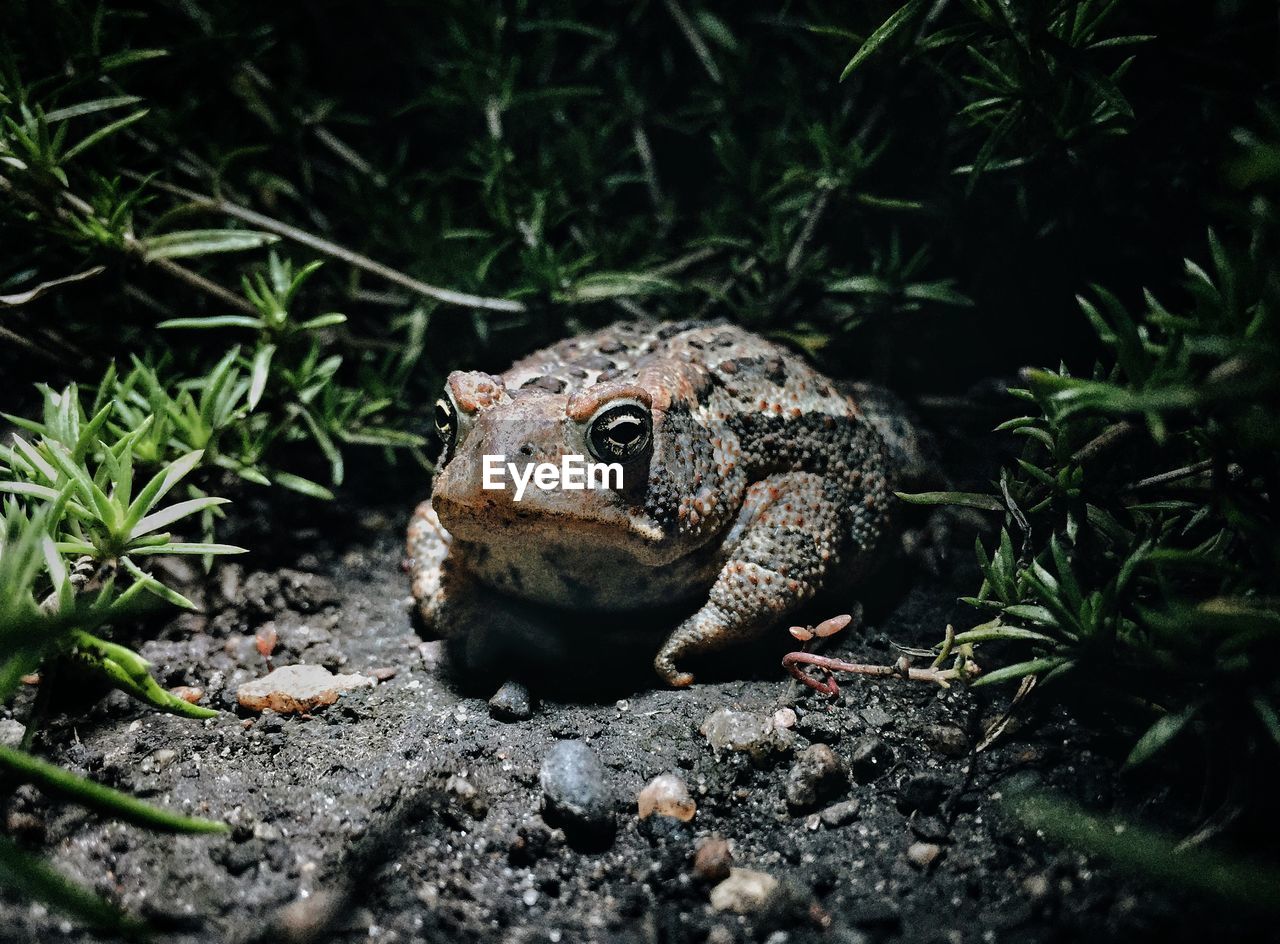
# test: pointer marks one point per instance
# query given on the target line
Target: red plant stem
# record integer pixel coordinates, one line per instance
(793, 662)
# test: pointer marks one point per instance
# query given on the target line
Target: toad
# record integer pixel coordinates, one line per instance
(748, 483)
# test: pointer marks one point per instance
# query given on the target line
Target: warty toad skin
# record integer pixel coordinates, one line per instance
(750, 483)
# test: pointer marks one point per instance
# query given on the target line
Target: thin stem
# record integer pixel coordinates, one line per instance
(683, 262)
(53, 780)
(40, 706)
(195, 280)
(1172, 475)
(131, 246)
(645, 153)
(948, 641)
(1108, 439)
(793, 661)
(695, 40)
(30, 346)
(311, 241)
(807, 228)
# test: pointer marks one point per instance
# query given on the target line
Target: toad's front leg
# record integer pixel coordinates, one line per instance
(795, 531)
(491, 636)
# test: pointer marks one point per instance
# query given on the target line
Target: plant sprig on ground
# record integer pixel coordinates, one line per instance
(50, 599)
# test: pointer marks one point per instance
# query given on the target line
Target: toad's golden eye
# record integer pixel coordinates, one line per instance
(621, 432)
(446, 423)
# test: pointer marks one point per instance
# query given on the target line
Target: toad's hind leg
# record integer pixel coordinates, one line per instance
(792, 535)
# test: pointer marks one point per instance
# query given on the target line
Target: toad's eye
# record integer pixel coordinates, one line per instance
(446, 423)
(620, 432)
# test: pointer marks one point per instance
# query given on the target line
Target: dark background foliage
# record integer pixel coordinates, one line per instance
(511, 150)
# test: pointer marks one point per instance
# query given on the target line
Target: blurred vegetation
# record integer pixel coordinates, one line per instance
(242, 244)
(1137, 568)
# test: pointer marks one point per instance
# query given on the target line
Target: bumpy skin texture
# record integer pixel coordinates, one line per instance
(763, 485)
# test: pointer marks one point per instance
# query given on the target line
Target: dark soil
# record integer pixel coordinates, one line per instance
(407, 813)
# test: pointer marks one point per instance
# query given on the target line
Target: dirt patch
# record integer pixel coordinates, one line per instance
(406, 812)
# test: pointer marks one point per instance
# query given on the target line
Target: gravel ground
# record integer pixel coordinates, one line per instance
(407, 812)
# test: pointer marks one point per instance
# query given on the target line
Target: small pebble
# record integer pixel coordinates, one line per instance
(744, 892)
(729, 731)
(817, 775)
(827, 727)
(877, 717)
(530, 897)
(297, 688)
(188, 693)
(784, 718)
(929, 828)
(840, 814)
(11, 732)
(308, 919)
(511, 702)
(720, 935)
(25, 826)
(467, 795)
(923, 854)
(946, 739)
(666, 795)
(229, 576)
(713, 860)
(431, 653)
(871, 757)
(576, 797)
(922, 793)
(1036, 887)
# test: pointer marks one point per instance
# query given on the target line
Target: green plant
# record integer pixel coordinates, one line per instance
(1137, 564)
(1038, 81)
(526, 174)
(46, 612)
(271, 294)
(90, 481)
(1151, 853)
(91, 513)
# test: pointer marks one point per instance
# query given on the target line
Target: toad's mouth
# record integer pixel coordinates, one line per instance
(614, 531)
